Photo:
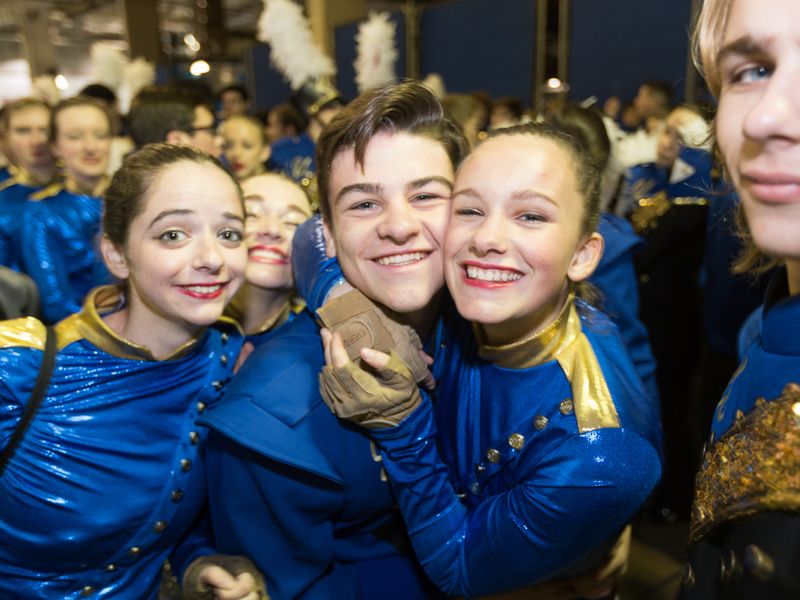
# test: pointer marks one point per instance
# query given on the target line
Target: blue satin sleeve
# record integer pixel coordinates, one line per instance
(45, 262)
(576, 498)
(315, 274)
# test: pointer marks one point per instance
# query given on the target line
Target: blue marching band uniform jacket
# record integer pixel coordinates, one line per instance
(108, 481)
(62, 256)
(316, 515)
(531, 460)
(14, 193)
(746, 514)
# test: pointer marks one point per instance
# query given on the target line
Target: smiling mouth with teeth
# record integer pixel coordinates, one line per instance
(210, 291)
(401, 259)
(492, 275)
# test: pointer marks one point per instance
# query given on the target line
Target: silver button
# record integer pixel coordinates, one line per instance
(111, 567)
(217, 385)
(224, 338)
(224, 359)
(87, 590)
(201, 406)
(134, 551)
(177, 495)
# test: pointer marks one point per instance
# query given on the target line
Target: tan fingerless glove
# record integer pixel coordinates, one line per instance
(235, 564)
(363, 324)
(374, 399)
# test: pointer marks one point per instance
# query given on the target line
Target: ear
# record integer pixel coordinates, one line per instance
(586, 258)
(175, 136)
(330, 244)
(114, 258)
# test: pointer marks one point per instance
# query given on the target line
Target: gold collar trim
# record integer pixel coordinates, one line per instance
(88, 324)
(563, 340)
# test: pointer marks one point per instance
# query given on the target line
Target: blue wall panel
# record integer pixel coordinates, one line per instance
(618, 44)
(345, 43)
(266, 83)
(480, 45)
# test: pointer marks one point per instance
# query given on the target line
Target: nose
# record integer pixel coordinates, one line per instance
(208, 254)
(776, 113)
(270, 226)
(400, 222)
(489, 237)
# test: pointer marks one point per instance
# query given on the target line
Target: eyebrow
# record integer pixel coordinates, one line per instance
(745, 45)
(422, 182)
(365, 188)
(516, 196)
(186, 211)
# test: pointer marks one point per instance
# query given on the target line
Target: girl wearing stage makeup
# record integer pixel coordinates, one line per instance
(107, 482)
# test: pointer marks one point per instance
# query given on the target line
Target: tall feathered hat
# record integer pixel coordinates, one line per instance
(376, 53)
(293, 52)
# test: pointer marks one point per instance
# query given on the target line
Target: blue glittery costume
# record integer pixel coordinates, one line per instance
(312, 511)
(61, 231)
(287, 314)
(107, 483)
(14, 194)
(531, 460)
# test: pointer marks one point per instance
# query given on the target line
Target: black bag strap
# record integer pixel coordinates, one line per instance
(39, 389)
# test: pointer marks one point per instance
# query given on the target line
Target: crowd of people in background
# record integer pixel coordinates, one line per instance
(414, 345)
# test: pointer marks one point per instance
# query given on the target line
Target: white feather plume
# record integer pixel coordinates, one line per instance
(44, 87)
(284, 27)
(108, 64)
(376, 54)
(137, 74)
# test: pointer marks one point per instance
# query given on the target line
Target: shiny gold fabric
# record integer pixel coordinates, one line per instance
(754, 467)
(564, 341)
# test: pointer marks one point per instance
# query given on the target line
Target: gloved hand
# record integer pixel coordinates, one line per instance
(223, 576)
(375, 398)
(362, 324)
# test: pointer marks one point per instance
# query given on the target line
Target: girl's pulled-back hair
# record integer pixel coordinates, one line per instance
(587, 175)
(407, 106)
(125, 197)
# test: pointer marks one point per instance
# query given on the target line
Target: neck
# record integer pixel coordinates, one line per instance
(91, 186)
(258, 306)
(423, 320)
(793, 275)
(521, 328)
(37, 175)
(171, 337)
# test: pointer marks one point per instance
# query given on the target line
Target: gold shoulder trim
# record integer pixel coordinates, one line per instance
(27, 332)
(564, 341)
(8, 183)
(45, 193)
(230, 322)
(594, 406)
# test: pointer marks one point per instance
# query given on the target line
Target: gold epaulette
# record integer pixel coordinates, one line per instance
(25, 332)
(754, 467)
(48, 192)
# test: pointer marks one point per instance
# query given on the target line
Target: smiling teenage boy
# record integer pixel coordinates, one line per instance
(314, 510)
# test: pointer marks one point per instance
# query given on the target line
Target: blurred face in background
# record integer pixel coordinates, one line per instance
(27, 135)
